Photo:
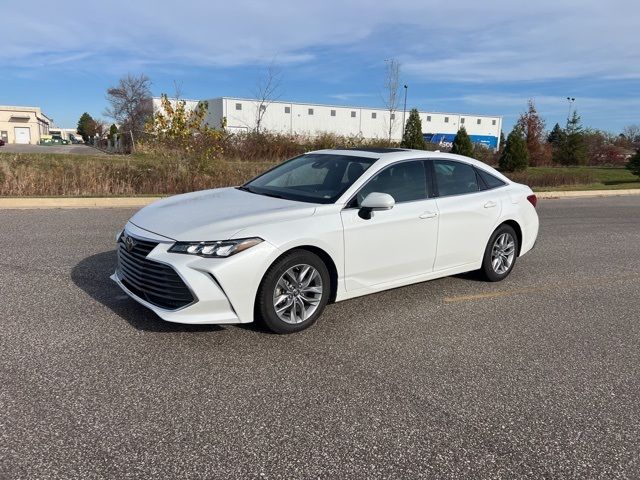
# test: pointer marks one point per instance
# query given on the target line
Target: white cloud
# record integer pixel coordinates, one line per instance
(468, 41)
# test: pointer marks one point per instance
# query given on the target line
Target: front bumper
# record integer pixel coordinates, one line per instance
(224, 288)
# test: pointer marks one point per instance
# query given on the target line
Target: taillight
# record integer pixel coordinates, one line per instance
(533, 200)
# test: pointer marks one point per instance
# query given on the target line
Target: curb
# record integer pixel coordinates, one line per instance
(137, 202)
(587, 193)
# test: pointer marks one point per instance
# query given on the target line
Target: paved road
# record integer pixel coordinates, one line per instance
(73, 149)
(537, 376)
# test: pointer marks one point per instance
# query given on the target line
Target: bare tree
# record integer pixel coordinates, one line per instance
(130, 103)
(267, 91)
(632, 133)
(391, 84)
(100, 127)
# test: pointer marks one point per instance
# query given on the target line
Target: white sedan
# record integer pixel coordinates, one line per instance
(323, 227)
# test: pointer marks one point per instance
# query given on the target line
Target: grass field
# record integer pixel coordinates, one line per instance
(146, 174)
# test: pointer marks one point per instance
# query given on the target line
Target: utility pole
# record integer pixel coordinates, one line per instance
(404, 110)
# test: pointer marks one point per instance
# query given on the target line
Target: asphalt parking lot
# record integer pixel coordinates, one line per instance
(68, 149)
(536, 376)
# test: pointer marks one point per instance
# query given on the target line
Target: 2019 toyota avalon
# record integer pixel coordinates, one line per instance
(323, 227)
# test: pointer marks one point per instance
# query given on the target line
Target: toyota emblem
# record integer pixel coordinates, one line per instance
(128, 243)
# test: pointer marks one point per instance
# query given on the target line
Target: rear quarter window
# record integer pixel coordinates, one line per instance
(489, 180)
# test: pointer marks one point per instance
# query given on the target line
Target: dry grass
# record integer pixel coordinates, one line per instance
(55, 175)
(224, 160)
(274, 147)
(161, 168)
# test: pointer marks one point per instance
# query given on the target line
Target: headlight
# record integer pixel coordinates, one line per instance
(221, 249)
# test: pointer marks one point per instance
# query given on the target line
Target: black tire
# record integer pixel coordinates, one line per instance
(265, 310)
(488, 271)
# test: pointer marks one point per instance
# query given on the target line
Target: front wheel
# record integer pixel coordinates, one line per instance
(293, 292)
(500, 254)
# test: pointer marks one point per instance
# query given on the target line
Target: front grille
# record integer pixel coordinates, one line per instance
(154, 282)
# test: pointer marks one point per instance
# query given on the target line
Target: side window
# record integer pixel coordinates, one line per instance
(455, 178)
(404, 181)
(489, 180)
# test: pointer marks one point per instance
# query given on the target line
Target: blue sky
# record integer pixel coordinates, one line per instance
(462, 56)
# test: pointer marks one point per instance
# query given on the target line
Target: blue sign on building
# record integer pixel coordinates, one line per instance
(446, 139)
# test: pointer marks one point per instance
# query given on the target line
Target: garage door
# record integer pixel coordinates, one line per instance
(23, 135)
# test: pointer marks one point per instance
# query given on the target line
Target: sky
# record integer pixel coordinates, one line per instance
(464, 56)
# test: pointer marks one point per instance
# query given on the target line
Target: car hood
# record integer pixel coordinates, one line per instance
(218, 214)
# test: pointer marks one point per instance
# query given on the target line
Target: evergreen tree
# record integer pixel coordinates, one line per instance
(572, 149)
(634, 163)
(413, 132)
(113, 131)
(502, 140)
(462, 144)
(86, 126)
(555, 135)
(515, 155)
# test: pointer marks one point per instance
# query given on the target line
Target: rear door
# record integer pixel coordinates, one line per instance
(468, 214)
(392, 244)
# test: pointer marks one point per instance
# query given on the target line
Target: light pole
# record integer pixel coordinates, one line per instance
(404, 110)
(571, 100)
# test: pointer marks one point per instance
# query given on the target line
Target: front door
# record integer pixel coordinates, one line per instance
(393, 244)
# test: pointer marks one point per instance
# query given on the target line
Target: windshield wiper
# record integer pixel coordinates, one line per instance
(269, 194)
(244, 188)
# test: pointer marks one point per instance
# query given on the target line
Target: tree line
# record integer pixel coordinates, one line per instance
(529, 144)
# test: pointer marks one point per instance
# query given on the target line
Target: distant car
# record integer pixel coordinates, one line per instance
(1, 143)
(58, 140)
(323, 227)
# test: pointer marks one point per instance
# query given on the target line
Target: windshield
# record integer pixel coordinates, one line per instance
(315, 177)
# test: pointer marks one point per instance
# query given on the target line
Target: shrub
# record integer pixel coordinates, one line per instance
(553, 179)
(634, 163)
(485, 154)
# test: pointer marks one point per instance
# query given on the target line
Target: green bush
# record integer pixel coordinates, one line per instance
(634, 163)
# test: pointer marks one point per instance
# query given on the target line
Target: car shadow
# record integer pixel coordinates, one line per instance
(92, 276)
(474, 276)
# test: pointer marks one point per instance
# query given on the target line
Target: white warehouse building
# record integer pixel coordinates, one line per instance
(312, 119)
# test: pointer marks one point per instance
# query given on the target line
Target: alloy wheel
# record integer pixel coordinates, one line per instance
(297, 294)
(503, 253)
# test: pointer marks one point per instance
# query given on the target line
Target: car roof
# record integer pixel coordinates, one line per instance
(386, 156)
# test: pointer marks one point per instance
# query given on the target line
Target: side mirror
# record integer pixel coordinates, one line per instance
(375, 201)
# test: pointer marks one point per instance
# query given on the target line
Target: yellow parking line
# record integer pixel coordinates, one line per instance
(555, 286)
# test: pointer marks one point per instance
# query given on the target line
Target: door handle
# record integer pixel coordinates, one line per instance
(429, 215)
(490, 204)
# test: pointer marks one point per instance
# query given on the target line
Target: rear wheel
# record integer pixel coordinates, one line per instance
(500, 254)
(293, 292)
